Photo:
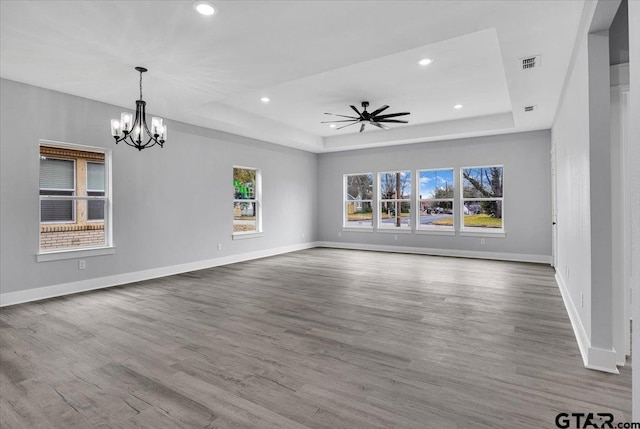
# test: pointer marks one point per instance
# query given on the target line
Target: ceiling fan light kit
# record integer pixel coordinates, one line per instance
(134, 132)
(374, 118)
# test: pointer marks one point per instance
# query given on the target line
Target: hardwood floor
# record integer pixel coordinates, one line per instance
(321, 338)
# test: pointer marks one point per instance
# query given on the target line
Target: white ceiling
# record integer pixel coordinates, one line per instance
(309, 57)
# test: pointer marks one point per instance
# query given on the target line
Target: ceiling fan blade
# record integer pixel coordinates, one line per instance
(379, 125)
(344, 116)
(362, 127)
(348, 125)
(341, 120)
(356, 110)
(391, 115)
(380, 110)
(395, 121)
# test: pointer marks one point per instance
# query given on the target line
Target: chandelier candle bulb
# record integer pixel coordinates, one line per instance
(125, 122)
(156, 126)
(116, 131)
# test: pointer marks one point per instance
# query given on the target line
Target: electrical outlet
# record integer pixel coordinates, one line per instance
(482, 241)
(303, 235)
(395, 237)
(82, 264)
(339, 234)
(219, 246)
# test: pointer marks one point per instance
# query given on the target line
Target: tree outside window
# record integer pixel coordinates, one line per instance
(246, 200)
(358, 200)
(482, 197)
(395, 200)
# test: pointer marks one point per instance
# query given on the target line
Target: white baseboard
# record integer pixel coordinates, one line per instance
(515, 257)
(592, 357)
(29, 295)
(13, 298)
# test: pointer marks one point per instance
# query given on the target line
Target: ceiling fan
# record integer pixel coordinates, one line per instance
(373, 118)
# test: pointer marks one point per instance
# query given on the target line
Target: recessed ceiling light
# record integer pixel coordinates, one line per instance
(425, 61)
(332, 125)
(458, 106)
(204, 8)
(265, 99)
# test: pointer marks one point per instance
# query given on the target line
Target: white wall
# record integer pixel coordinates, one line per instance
(581, 140)
(527, 191)
(171, 206)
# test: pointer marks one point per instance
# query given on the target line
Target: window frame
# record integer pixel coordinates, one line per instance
(85, 251)
(443, 230)
(380, 201)
(94, 190)
(371, 201)
(238, 235)
(480, 231)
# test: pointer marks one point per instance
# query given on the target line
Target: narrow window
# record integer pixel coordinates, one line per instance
(394, 204)
(247, 201)
(358, 201)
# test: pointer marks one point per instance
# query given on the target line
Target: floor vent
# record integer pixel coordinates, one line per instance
(529, 108)
(528, 63)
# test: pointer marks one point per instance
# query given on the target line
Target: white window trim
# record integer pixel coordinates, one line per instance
(241, 235)
(471, 231)
(81, 252)
(380, 201)
(435, 230)
(345, 202)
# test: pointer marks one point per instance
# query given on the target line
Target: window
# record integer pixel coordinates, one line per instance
(73, 198)
(395, 200)
(435, 202)
(482, 198)
(95, 188)
(358, 200)
(57, 177)
(246, 201)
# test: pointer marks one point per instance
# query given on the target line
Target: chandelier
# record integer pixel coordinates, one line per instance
(135, 132)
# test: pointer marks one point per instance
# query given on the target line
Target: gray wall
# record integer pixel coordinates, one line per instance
(170, 206)
(527, 190)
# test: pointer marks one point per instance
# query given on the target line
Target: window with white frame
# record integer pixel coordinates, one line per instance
(358, 200)
(482, 198)
(247, 203)
(74, 198)
(394, 202)
(435, 201)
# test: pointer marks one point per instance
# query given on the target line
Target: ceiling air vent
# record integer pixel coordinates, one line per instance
(528, 63)
(529, 108)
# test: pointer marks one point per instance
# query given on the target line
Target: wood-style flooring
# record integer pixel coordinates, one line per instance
(321, 338)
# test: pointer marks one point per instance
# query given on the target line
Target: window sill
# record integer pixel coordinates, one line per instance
(363, 229)
(246, 235)
(495, 234)
(436, 232)
(394, 231)
(60, 255)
